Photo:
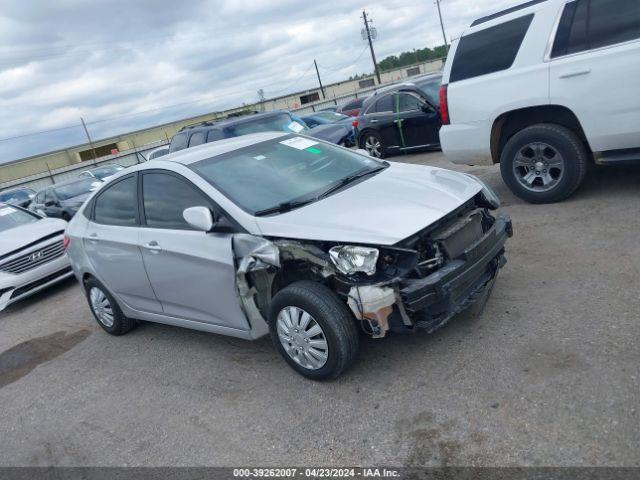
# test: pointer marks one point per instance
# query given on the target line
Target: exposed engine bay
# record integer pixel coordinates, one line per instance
(421, 282)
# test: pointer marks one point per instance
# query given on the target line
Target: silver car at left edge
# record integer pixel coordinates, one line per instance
(32, 255)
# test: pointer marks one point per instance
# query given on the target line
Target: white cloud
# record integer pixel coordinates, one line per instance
(108, 58)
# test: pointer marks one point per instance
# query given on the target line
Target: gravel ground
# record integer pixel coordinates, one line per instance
(547, 376)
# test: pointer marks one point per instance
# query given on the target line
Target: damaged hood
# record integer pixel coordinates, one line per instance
(382, 210)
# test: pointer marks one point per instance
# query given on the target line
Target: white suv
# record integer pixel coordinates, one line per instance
(545, 88)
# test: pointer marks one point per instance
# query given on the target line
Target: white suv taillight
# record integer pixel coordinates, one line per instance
(444, 105)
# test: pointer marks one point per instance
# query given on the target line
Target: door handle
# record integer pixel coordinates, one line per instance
(153, 246)
(373, 120)
(575, 73)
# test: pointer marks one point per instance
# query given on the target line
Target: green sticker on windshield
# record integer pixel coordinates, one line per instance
(315, 151)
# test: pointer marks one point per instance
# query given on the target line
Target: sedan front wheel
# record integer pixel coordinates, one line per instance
(313, 330)
(373, 145)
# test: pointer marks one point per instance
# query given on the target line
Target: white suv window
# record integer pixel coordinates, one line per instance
(589, 24)
(490, 50)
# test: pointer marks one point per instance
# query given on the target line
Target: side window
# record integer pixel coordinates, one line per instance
(197, 138)
(39, 198)
(490, 50)
(165, 197)
(405, 102)
(214, 135)
(49, 196)
(588, 24)
(117, 204)
(178, 142)
(613, 21)
(385, 104)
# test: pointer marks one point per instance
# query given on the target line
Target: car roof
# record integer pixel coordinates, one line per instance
(15, 189)
(219, 147)
(67, 182)
(232, 121)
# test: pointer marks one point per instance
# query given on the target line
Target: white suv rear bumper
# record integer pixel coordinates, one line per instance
(466, 144)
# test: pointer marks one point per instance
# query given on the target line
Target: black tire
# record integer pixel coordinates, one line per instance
(331, 314)
(121, 324)
(374, 135)
(565, 142)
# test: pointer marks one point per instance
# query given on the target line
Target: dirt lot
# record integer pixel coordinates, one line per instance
(548, 376)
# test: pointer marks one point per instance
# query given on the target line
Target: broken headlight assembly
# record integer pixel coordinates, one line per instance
(488, 195)
(351, 259)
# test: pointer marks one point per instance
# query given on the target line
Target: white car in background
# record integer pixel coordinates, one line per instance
(32, 255)
(157, 153)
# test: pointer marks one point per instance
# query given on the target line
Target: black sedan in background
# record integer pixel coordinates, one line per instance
(63, 200)
(400, 118)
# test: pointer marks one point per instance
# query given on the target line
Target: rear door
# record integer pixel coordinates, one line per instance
(381, 117)
(595, 70)
(417, 121)
(111, 242)
(192, 272)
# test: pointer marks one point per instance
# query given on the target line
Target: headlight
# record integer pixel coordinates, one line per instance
(487, 192)
(351, 259)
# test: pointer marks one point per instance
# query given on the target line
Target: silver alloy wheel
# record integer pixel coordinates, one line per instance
(538, 167)
(302, 338)
(373, 146)
(101, 306)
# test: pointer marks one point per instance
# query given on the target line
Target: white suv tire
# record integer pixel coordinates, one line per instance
(544, 163)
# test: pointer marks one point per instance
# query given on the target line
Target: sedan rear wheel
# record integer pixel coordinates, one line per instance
(106, 310)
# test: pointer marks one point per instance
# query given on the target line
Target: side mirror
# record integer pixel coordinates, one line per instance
(50, 203)
(199, 218)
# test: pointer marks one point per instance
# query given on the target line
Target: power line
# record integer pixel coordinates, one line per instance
(336, 69)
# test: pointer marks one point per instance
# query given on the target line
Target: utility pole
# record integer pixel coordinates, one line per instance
(93, 150)
(373, 55)
(319, 81)
(446, 45)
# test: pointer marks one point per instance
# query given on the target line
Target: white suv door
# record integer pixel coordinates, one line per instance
(595, 70)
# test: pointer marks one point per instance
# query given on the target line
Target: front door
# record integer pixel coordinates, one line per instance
(111, 241)
(417, 121)
(192, 273)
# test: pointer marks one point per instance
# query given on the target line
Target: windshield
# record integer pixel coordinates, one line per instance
(276, 123)
(16, 196)
(106, 171)
(11, 217)
(70, 190)
(285, 169)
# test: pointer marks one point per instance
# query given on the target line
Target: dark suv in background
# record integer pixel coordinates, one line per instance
(276, 121)
(401, 118)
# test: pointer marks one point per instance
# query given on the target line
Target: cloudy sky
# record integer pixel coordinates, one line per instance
(124, 65)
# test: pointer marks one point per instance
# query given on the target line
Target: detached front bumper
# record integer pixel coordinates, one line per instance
(431, 301)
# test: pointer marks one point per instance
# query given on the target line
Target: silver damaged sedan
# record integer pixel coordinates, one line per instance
(281, 234)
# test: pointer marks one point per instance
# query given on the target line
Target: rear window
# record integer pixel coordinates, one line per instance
(490, 50)
(178, 142)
